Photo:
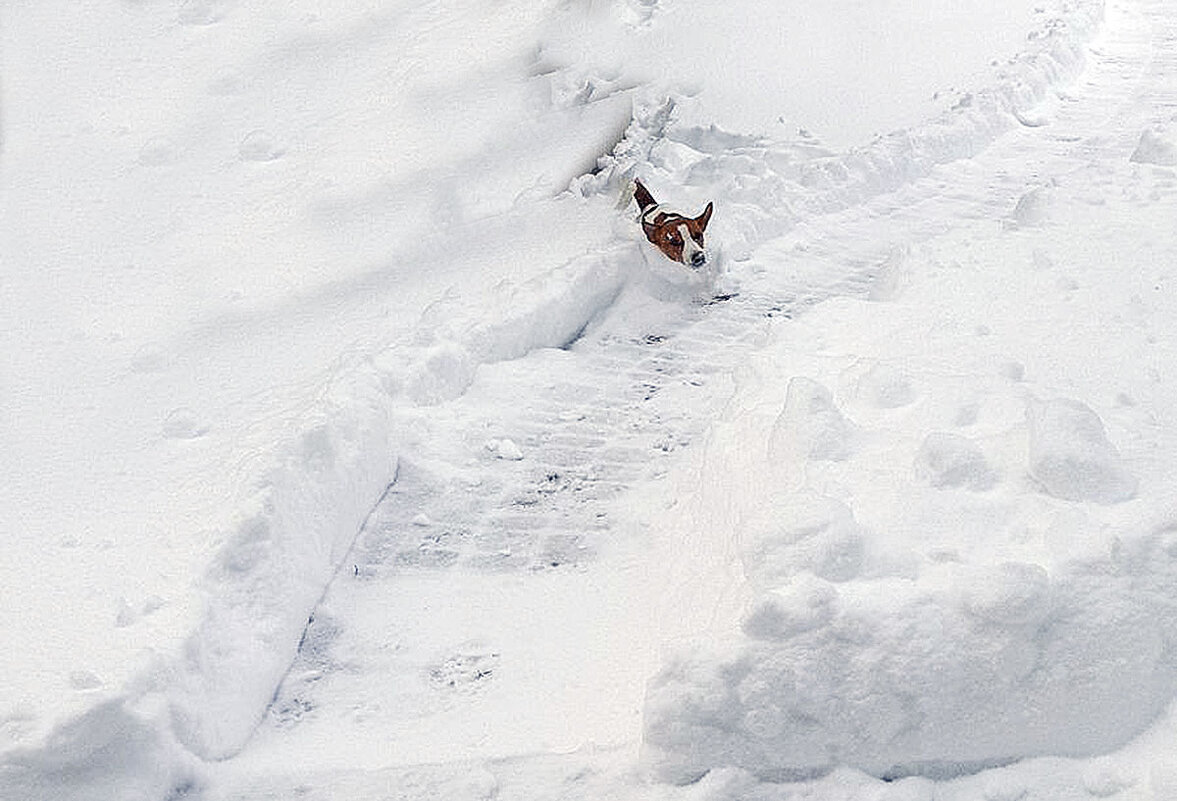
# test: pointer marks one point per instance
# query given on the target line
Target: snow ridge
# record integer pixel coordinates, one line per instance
(825, 677)
(274, 568)
(769, 187)
(310, 501)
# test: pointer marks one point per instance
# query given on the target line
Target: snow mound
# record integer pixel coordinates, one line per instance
(802, 534)
(882, 386)
(1032, 209)
(949, 460)
(1157, 146)
(113, 751)
(1071, 457)
(963, 668)
(855, 649)
(811, 425)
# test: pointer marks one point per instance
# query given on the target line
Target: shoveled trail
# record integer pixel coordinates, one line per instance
(508, 532)
(512, 532)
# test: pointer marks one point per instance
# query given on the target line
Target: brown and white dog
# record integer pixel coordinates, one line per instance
(678, 236)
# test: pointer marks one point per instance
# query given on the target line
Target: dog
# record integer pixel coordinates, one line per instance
(679, 237)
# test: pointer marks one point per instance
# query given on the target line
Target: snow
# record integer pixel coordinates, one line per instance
(1071, 456)
(356, 444)
(845, 72)
(1156, 147)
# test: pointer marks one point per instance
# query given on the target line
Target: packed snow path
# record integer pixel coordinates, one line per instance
(507, 529)
(519, 489)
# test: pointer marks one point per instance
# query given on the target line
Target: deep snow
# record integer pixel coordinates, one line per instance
(349, 453)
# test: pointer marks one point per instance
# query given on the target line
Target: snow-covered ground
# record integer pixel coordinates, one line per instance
(356, 446)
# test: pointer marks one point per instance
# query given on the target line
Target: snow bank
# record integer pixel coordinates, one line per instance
(552, 310)
(277, 561)
(936, 635)
(956, 550)
(114, 751)
(308, 507)
(309, 501)
(769, 184)
(844, 70)
(940, 574)
(205, 391)
(962, 668)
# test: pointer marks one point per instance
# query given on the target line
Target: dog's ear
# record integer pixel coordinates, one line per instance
(642, 196)
(705, 217)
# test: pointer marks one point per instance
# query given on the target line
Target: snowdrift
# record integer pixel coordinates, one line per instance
(959, 668)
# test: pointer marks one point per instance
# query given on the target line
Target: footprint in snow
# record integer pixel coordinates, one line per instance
(465, 671)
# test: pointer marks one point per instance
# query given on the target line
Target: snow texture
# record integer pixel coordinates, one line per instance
(1071, 456)
(899, 678)
(359, 446)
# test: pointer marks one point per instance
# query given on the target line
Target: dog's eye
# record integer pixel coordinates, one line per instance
(672, 239)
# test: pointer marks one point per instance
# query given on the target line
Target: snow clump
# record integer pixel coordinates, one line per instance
(947, 460)
(802, 534)
(1157, 146)
(1071, 457)
(505, 449)
(811, 425)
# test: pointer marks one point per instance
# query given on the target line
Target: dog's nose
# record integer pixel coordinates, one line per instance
(698, 259)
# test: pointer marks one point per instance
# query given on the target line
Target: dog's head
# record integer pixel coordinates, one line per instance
(677, 236)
